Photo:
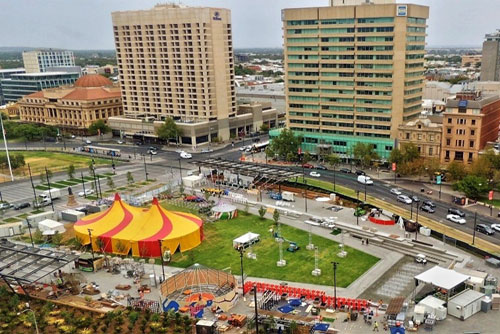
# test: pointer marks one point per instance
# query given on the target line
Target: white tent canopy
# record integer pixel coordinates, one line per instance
(443, 278)
(246, 239)
(50, 227)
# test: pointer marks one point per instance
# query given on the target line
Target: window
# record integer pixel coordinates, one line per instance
(471, 143)
(449, 120)
(459, 156)
(447, 155)
(461, 121)
(473, 122)
(472, 132)
(430, 151)
(471, 155)
(448, 131)
(419, 137)
(407, 135)
(448, 142)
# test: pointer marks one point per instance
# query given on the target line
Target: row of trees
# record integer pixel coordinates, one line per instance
(29, 132)
(16, 160)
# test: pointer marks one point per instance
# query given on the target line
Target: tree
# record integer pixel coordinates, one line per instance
(396, 156)
(472, 186)
(264, 128)
(262, 212)
(482, 167)
(57, 239)
(98, 127)
(16, 160)
(91, 167)
(410, 152)
(276, 216)
(169, 130)
(432, 166)
(286, 145)
(365, 153)
(71, 171)
(44, 175)
(306, 157)
(130, 178)
(332, 159)
(456, 170)
(110, 183)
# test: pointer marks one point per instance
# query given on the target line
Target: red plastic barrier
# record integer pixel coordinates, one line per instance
(381, 221)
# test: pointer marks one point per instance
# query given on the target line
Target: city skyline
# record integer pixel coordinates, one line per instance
(253, 27)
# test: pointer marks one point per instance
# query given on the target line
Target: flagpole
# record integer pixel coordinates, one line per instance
(6, 149)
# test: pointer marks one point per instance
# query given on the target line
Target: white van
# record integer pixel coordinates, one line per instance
(287, 196)
(363, 179)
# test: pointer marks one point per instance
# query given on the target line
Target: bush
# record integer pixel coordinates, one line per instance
(262, 212)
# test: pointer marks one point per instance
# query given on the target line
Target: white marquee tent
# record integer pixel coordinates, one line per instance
(50, 227)
(442, 278)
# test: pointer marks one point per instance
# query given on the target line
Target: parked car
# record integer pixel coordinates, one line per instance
(152, 152)
(456, 219)
(88, 142)
(86, 193)
(120, 142)
(404, 199)
(307, 166)
(427, 208)
(456, 212)
(429, 203)
(415, 199)
(421, 258)
(23, 205)
(345, 170)
(73, 136)
(483, 228)
(365, 180)
(396, 191)
(321, 167)
(206, 150)
(496, 227)
(360, 172)
(242, 148)
(315, 174)
(4, 206)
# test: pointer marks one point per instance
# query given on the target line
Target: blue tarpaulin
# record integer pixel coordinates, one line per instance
(397, 330)
(321, 327)
(173, 305)
(285, 309)
(295, 302)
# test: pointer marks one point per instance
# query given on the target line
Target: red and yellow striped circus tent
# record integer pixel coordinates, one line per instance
(123, 228)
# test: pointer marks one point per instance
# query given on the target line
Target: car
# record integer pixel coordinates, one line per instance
(315, 174)
(207, 150)
(486, 229)
(88, 142)
(185, 155)
(321, 167)
(4, 206)
(421, 258)
(23, 205)
(415, 199)
(248, 149)
(139, 143)
(365, 180)
(404, 199)
(153, 148)
(242, 148)
(496, 227)
(73, 136)
(307, 166)
(456, 212)
(429, 203)
(427, 208)
(152, 152)
(360, 172)
(456, 219)
(396, 191)
(345, 170)
(120, 142)
(86, 193)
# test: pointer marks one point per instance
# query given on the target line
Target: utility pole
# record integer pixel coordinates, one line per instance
(357, 206)
(180, 169)
(474, 232)
(256, 310)
(31, 236)
(145, 168)
(365, 189)
(83, 184)
(335, 283)
(240, 249)
(161, 258)
(50, 192)
(32, 184)
(99, 184)
(91, 247)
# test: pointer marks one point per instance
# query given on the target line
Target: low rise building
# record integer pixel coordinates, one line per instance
(73, 108)
(249, 118)
(470, 121)
(425, 133)
(19, 85)
(471, 60)
(6, 74)
(10, 109)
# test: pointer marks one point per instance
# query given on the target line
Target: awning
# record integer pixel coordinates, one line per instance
(443, 278)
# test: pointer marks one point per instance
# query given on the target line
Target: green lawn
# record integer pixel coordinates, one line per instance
(67, 183)
(328, 186)
(75, 180)
(216, 251)
(11, 220)
(41, 187)
(495, 203)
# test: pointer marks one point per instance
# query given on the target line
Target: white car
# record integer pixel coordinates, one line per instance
(152, 152)
(404, 199)
(396, 191)
(456, 219)
(120, 142)
(242, 148)
(185, 155)
(315, 174)
(73, 136)
(87, 192)
(363, 179)
(88, 142)
(496, 227)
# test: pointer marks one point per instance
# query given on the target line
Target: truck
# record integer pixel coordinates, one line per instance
(53, 194)
(288, 196)
(41, 202)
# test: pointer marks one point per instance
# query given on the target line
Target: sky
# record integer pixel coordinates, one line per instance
(86, 24)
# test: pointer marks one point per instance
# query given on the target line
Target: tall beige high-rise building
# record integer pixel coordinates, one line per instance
(354, 73)
(490, 63)
(176, 61)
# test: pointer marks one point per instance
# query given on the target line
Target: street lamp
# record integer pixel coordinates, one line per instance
(474, 232)
(240, 249)
(161, 258)
(335, 284)
(34, 316)
(31, 236)
(91, 247)
(357, 207)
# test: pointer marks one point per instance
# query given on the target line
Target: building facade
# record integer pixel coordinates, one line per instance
(354, 72)
(249, 118)
(490, 63)
(471, 60)
(176, 61)
(471, 121)
(39, 60)
(6, 74)
(424, 133)
(19, 85)
(73, 108)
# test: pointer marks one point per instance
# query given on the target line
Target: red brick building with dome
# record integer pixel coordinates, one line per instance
(73, 108)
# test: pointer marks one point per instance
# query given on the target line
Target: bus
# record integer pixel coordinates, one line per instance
(113, 152)
(259, 147)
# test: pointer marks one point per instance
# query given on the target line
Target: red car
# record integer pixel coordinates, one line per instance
(307, 166)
